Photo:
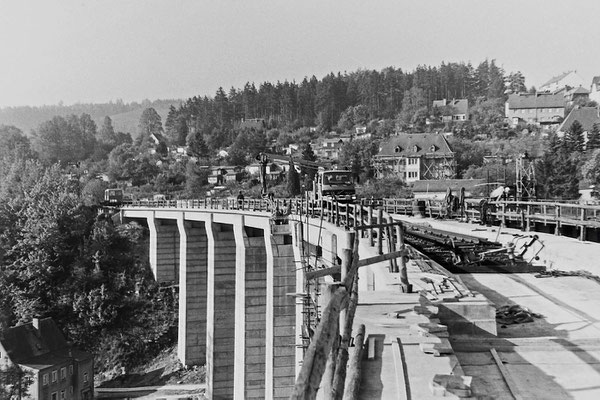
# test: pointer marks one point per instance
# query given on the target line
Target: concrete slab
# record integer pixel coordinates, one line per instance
(389, 316)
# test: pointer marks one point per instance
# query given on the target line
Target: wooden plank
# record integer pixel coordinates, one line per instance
(383, 257)
(371, 348)
(512, 386)
(402, 383)
(361, 263)
(374, 226)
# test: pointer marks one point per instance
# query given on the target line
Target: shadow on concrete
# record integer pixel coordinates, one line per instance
(474, 354)
(371, 384)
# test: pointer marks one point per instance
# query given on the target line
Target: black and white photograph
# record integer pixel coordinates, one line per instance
(266, 199)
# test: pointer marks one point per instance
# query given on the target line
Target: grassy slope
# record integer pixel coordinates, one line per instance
(164, 369)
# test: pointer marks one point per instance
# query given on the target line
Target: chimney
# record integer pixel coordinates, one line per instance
(36, 323)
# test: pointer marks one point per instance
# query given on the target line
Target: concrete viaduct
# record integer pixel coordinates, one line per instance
(242, 293)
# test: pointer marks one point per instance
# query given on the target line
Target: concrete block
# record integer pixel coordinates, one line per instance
(451, 386)
(436, 346)
(428, 311)
(285, 361)
(283, 392)
(430, 329)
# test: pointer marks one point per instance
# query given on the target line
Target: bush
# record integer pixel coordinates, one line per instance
(388, 187)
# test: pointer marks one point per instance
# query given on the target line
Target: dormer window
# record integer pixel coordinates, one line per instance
(398, 149)
(433, 148)
(415, 148)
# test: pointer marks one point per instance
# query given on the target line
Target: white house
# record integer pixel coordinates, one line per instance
(569, 78)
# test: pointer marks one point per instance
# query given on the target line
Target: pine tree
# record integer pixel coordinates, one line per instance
(593, 138)
(573, 139)
(308, 155)
(107, 133)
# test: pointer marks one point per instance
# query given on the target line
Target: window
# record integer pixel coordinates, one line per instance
(54, 396)
(54, 376)
(71, 369)
(45, 379)
(85, 377)
(413, 161)
(62, 395)
(71, 391)
(63, 373)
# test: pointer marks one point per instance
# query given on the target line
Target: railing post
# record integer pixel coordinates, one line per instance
(347, 216)
(557, 212)
(391, 243)
(582, 228)
(331, 214)
(370, 223)
(380, 231)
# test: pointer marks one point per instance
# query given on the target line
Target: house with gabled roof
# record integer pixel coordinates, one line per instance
(58, 370)
(586, 116)
(416, 156)
(223, 174)
(459, 107)
(544, 109)
(575, 94)
(329, 148)
(567, 79)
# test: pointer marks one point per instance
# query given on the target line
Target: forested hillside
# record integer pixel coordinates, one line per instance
(321, 102)
(125, 116)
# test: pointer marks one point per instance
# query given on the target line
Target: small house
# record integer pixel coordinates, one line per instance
(57, 369)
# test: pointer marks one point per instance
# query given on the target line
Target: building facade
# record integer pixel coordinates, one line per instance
(459, 109)
(537, 109)
(595, 89)
(58, 370)
(416, 156)
(567, 79)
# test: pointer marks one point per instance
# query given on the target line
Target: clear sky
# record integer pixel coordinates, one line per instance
(102, 50)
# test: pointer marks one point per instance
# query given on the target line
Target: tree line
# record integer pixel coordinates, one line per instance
(384, 94)
(60, 258)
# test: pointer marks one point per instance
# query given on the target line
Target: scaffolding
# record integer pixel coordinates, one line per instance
(525, 177)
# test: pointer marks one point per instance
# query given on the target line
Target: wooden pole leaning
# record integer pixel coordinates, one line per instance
(315, 358)
(342, 360)
(354, 367)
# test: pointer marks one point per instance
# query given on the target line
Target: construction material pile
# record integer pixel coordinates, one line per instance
(515, 314)
(555, 273)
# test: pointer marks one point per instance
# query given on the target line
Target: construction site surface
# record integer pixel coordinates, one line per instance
(528, 331)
